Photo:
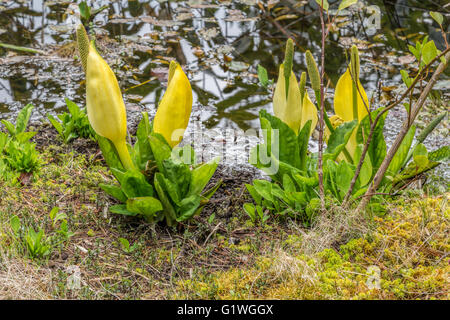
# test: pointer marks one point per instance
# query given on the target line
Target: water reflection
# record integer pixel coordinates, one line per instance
(220, 43)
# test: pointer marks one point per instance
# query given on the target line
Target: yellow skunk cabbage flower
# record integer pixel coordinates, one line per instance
(172, 116)
(309, 112)
(105, 106)
(293, 111)
(343, 98)
(343, 104)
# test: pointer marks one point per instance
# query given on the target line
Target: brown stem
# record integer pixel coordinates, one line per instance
(374, 124)
(387, 160)
(321, 121)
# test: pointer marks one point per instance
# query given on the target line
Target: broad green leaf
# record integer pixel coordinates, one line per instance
(365, 174)
(179, 175)
(262, 76)
(73, 108)
(288, 184)
(264, 188)
(160, 149)
(346, 3)
(145, 206)
(188, 207)
(23, 117)
(109, 153)
(402, 152)
(288, 148)
(169, 210)
(250, 209)
(134, 185)
(303, 139)
(405, 77)
(344, 175)
(441, 154)
(15, 224)
(255, 195)
(429, 52)
(56, 124)
(143, 150)
(201, 176)
(377, 148)
(121, 209)
(411, 171)
(24, 137)
(210, 192)
(114, 191)
(420, 155)
(9, 126)
(439, 18)
(339, 138)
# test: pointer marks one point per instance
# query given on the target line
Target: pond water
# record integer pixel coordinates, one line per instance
(220, 43)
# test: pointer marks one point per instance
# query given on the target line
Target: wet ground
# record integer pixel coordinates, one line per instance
(219, 44)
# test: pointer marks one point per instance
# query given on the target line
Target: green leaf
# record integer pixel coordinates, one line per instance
(109, 153)
(264, 188)
(23, 117)
(405, 77)
(160, 149)
(179, 175)
(201, 176)
(288, 184)
(188, 207)
(24, 137)
(143, 149)
(420, 155)
(10, 127)
(402, 152)
(210, 192)
(135, 185)
(339, 138)
(441, 154)
(429, 52)
(114, 191)
(74, 109)
(365, 174)
(121, 209)
(145, 206)
(324, 4)
(288, 149)
(439, 18)
(255, 195)
(302, 140)
(346, 3)
(56, 124)
(250, 210)
(85, 11)
(377, 148)
(15, 224)
(262, 76)
(169, 210)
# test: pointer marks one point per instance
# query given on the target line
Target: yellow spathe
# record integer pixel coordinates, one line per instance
(343, 104)
(343, 98)
(288, 110)
(293, 111)
(174, 111)
(105, 106)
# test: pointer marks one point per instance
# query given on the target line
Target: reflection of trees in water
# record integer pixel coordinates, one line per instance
(261, 42)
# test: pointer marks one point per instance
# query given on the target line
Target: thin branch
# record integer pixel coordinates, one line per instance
(374, 124)
(321, 121)
(392, 151)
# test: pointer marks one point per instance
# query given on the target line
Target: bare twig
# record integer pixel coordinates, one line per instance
(321, 121)
(414, 111)
(375, 122)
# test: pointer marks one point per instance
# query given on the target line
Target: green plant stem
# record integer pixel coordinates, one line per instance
(18, 48)
(330, 127)
(124, 155)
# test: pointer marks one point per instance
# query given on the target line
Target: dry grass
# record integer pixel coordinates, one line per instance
(20, 279)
